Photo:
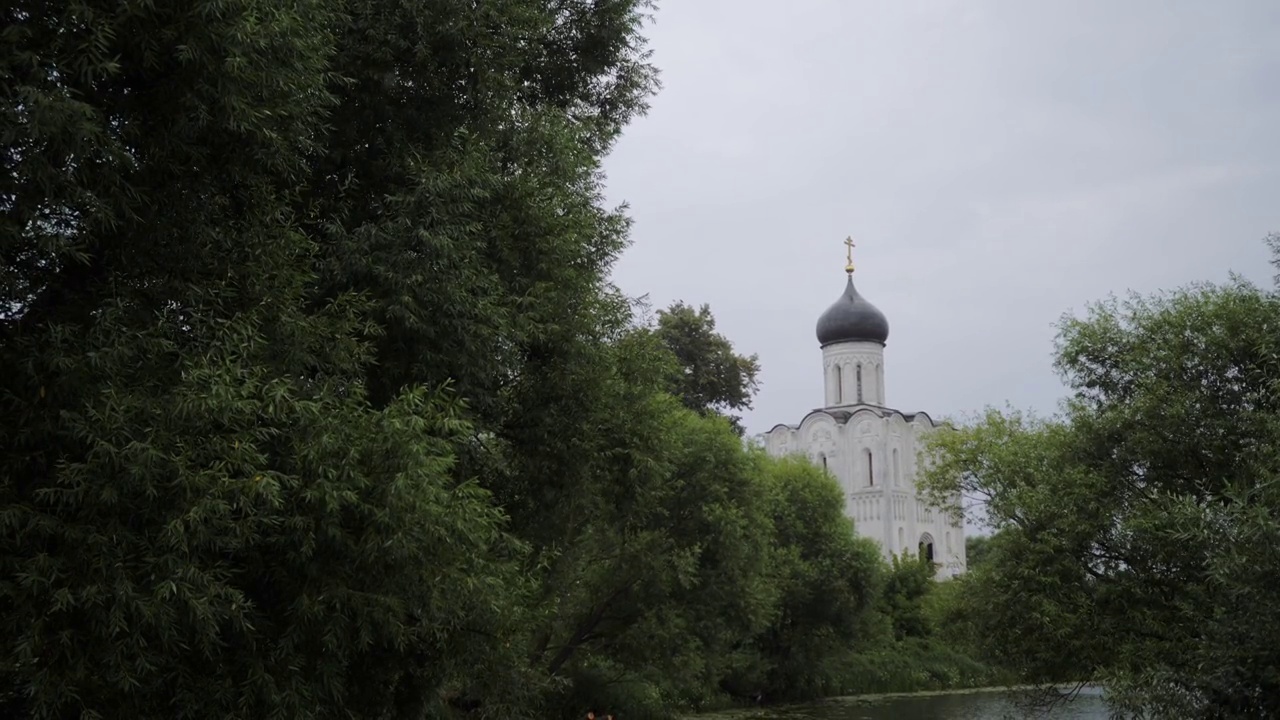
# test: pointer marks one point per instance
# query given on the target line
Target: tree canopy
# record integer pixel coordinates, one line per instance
(709, 376)
(1137, 527)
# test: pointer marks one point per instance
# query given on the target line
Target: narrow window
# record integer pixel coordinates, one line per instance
(859, 378)
(871, 474)
(824, 461)
(839, 385)
(902, 540)
(897, 469)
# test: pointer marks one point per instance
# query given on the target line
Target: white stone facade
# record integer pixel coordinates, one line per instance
(872, 450)
(853, 373)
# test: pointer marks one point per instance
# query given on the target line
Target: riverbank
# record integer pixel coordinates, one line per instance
(915, 665)
(910, 667)
(831, 707)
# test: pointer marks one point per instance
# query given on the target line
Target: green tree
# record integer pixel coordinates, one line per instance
(684, 584)
(709, 376)
(202, 514)
(828, 579)
(902, 597)
(1135, 528)
(460, 189)
(976, 550)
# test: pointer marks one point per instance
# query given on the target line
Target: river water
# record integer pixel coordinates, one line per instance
(992, 705)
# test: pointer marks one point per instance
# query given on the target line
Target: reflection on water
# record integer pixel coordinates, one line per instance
(1087, 705)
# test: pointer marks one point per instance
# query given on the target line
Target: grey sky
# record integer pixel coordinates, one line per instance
(998, 163)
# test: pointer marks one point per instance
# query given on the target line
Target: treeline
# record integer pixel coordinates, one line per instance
(317, 401)
(1136, 531)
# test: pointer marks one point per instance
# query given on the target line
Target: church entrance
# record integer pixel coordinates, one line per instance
(926, 547)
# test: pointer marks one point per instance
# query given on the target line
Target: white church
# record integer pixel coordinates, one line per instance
(867, 445)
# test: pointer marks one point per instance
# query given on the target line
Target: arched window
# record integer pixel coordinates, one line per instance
(871, 471)
(902, 540)
(839, 384)
(897, 469)
(859, 379)
(880, 383)
(823, 457)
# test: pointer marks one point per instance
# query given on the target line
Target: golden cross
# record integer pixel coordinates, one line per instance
(848, 244)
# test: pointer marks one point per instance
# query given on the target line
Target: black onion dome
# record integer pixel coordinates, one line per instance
(852, 319)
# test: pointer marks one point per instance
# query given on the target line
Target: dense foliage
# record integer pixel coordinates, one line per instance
(1137, 530)
(709, 375)
(317, 401)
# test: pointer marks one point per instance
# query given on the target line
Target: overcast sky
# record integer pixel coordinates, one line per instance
(998, 163)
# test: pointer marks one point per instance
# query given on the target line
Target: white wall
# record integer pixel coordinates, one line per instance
(840, 362)
(883, 503)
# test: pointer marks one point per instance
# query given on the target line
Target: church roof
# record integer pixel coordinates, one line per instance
(842, 415)
(852, 318)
